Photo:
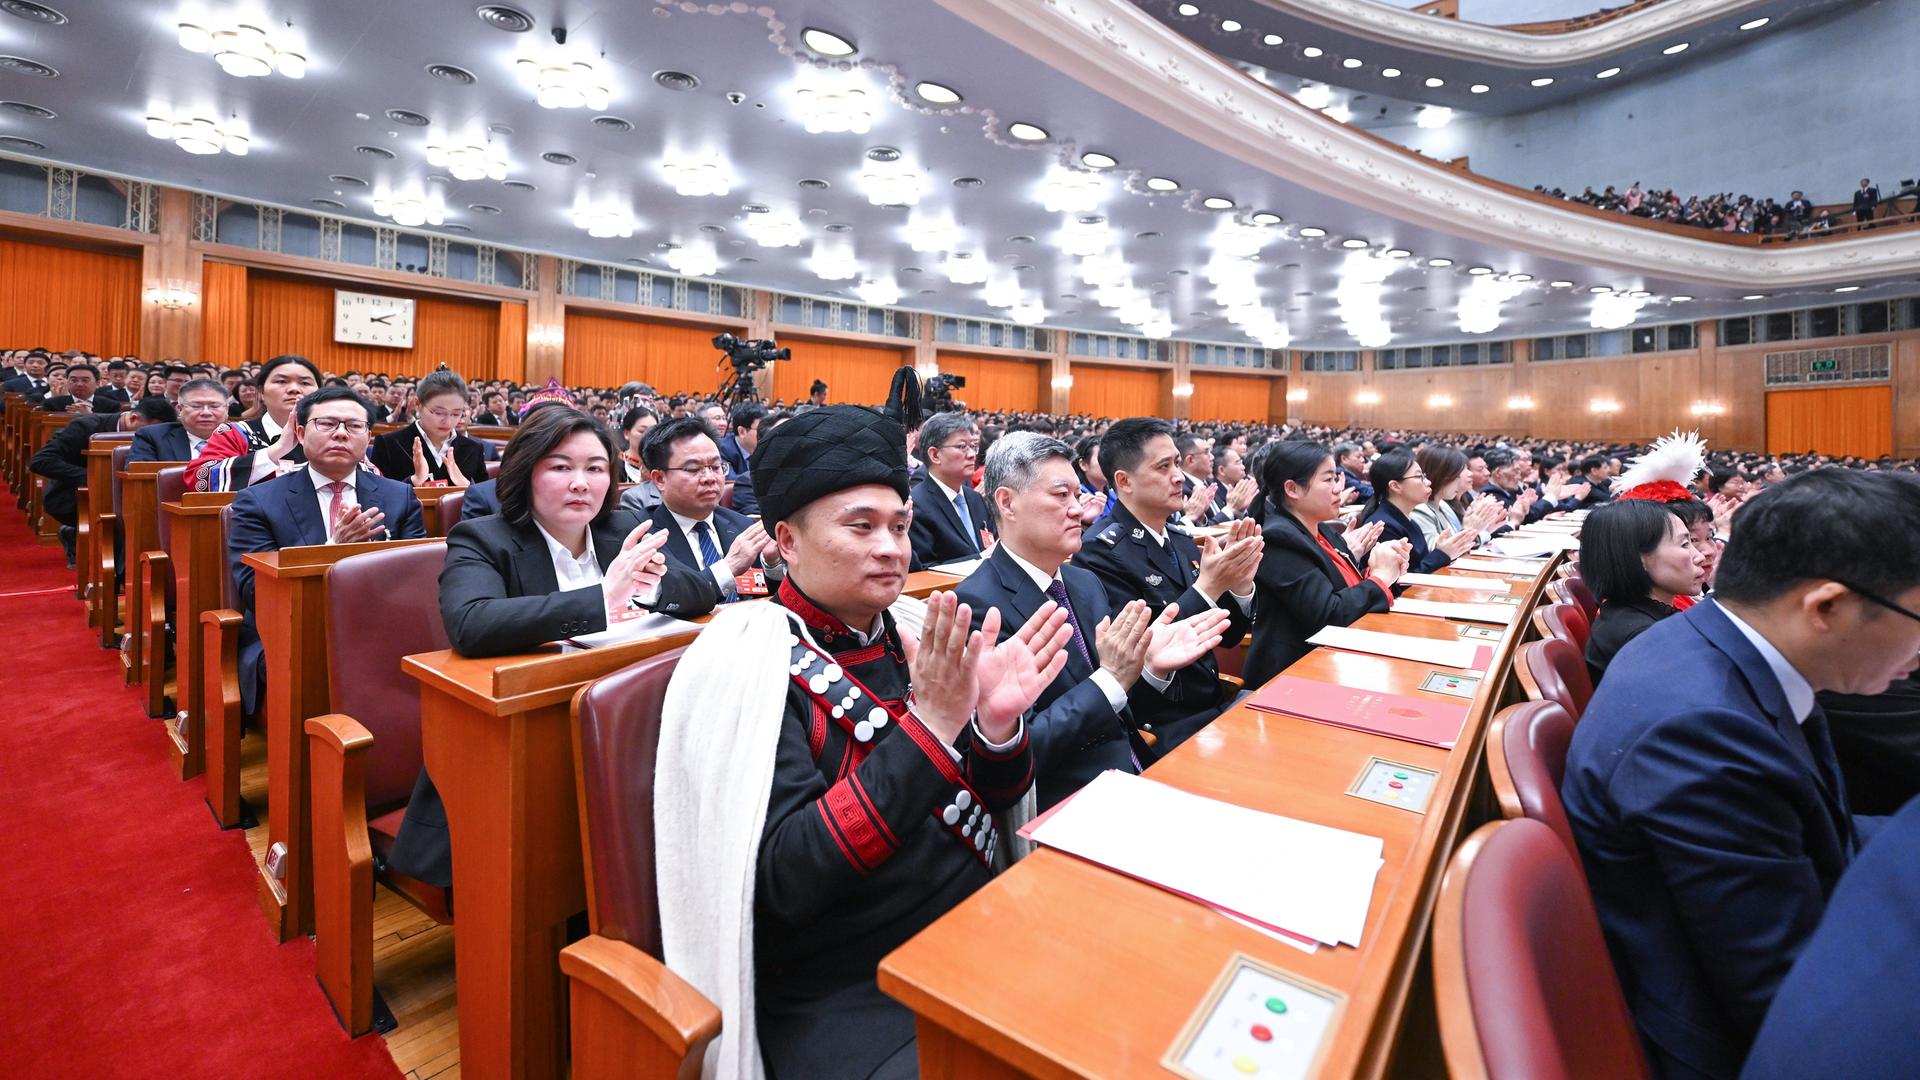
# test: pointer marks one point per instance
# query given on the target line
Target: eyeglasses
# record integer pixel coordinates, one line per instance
(327, 425)
(203, 406)
(445, 414)
(1882, 601)
(961, 448)
(695, 472)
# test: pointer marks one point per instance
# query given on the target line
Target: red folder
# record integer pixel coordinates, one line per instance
(1434, 723)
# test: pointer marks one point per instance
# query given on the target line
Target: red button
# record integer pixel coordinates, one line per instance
(1261, 1033)
(1395, 784)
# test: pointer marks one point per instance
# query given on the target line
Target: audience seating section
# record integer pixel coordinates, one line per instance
(1553, 670)
(1526, 759)
(1564, 621)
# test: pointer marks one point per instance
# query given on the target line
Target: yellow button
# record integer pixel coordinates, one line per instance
(1246, 1064)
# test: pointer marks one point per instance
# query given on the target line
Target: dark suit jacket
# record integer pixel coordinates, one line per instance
(1076, 734)
(161, 442)
(727, 527)
(392, 454)
(1841, 1011)
(1710, 836)
(1300, 591)
(937, 534)
(1398, 526)
(499, 594)
(1877, 739)
(741, 474)
(1357, 483)
(1540, 508)
(101, 401)
(24, 384)
(63, 461)
(482, 499)
(1617, 623)
(1132, 565)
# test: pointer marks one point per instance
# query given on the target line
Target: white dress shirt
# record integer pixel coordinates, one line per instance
(264, 467)
(1104, 679)
(1795, 685)
(434, 452)
(952, 496)
(721, 572)
(572, 571)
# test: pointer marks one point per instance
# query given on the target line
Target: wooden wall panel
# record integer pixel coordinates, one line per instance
(65, 298)
(855, 374)
(1000, 383)
(608, 350)
(223, 314)
(1118, 392)
(1838, 420)
(1245, 398)
(295, 315)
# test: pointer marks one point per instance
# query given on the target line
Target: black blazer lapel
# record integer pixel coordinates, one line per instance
(679, 552)
(179, 445)
(533, 564)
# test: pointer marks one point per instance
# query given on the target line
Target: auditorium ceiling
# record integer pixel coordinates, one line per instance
(954, 163)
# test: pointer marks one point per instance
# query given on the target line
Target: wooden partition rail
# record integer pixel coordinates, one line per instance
(499, 745)
(140, 525)
(41, 427)
(198, 558)
(1064, 994)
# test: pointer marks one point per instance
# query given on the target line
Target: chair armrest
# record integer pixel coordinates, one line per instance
(221, 712)
(147, 620)
(631, 1015)
(1232, 682)
(342, 867)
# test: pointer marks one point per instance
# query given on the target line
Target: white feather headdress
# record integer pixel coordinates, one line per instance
(1673, 459)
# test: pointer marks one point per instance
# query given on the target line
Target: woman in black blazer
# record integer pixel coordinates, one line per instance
(1307, 578)
(1399, 485)
(1635, 556)
(409, 454)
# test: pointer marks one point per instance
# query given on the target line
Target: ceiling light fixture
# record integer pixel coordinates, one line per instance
(826, 44)
(933, 236)
(891, 184)
(1479, 308)
(1754, 296)
(1068, 191)
(1519, 277)
(604, 222)
(1440, 262)
(1479, 271)
(698, 259)
(1312, 53)
(1560, 283)
(1679, 299)
(698, 175)
(1217, 202)
(1600, 290)
(1230, 26)
(199, 135)
(1544, 80)
(1238, 241)
(1612, 311)
(1313, 232)
(563, 84)
(1351, 62)
(1080, 238)
(1273, 39)
(1847, 289)
(1339, 114)
(1389, 73)
(833, 261)
(1754, 24)
(1674, 50)
(1027, 132)
(1435, 83)
(1354, 244)
(774, 230)
(935, 94)
(834, 109)
(1094, 160)
(1314, 96)
(1189, 10)
(1001, 292)
(411, 211)
(1161, 183)
(474, 157)
(1027, 313)
(1433, 116)
(1478, 88)
(243, 50)
(1265, 217)
(1102, 270)
(878, 292)
(1398, 253)
(1607, 74)
(964, 268)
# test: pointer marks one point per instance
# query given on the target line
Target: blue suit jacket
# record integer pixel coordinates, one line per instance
(161, 442)
(741, 474)
(285, 512)
(937, 534)
(1076, 734)
(482, 500)
(1398, 526)
(1843, 1009)
(1709, 834)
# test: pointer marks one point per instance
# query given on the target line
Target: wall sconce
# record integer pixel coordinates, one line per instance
(1183, 390)
(1440, 401)
(1520, 402)
(174, 296)
(546, 337)
(1708, 408)
(1063, 382)
(1366, 397)
(1296, 395)
(1603, 406)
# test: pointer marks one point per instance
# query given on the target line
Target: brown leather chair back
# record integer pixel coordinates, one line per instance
(450, 507)
(1528, 760)
(1578, 592)
(616, 733)
(493, 469)
(396, 591)
(1564, 621)
(1553, 670)
(169, 485)
(1523, 981)
(1558, 592)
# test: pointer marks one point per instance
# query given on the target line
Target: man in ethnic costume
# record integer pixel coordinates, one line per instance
(831, 765)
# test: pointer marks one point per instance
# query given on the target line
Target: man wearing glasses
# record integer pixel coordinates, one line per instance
(950, 519)
(431, 450)
(202, 408)
(685, 463)
(1702, 785)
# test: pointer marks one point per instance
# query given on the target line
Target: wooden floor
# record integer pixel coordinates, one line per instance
(412, 955)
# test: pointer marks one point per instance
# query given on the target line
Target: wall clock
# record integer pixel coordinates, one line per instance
(371, 319)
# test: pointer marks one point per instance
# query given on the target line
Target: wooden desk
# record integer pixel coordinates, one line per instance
(140, 525)
(499, 745)
(290, 614)
(199, 560)
(430, 507)
(1090, 973)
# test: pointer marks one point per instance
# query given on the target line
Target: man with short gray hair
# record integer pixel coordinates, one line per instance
(1083, 722)
(950, 520)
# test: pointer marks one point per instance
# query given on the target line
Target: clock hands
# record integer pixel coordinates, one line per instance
(380, 318)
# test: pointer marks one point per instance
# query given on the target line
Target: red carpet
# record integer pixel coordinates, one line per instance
(130, 941)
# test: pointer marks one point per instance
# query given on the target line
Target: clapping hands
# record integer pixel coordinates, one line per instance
(635, 573)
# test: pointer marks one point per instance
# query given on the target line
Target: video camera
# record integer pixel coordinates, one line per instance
(747, 355)
(936, 395)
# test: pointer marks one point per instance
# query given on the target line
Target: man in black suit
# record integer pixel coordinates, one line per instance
(83, 393)
(1137, 556)
(334, 499)
(1083, 723)
(115, 386)
(743, 434)
(63, 461)
(1864, 201)
(687, 468)
(948, 515)
(32, 378)
(202, 408)
(1196, 476)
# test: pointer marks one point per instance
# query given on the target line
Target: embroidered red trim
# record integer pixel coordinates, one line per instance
(858, 824)
(833, 830)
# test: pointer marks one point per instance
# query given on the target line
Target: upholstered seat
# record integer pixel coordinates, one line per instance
(1577, 591)
(450, 507)
(1553, 670)
(1526, 759)
(1564, 621)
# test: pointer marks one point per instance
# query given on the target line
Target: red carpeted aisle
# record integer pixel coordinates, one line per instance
(130, 941)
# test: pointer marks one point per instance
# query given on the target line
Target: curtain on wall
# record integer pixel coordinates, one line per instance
(995, 382)
(1117, 392)
(1839, 420)
(294, 315)
(1230, 397)
(510, 358)
(223, 314)
(854, 374)
(608, 350)
(65, 298)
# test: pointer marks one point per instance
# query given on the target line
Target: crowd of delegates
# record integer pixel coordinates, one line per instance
(1794, 217)
(1742, 722)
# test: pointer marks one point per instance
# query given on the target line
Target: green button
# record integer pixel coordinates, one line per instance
(1275, 1005)
(1399, 776)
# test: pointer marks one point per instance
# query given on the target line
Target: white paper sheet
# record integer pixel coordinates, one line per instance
(1537, 544)
(1458, 582)
(1454, 654)
(650, 624)
(1497, 566)
(1486, 613)
(959, 569)
(1308, 879)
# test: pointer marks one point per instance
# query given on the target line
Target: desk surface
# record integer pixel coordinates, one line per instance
(1104, 982)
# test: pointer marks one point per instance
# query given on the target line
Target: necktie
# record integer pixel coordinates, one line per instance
(709, 552)
(1057, 591)
(966, 520)
(337, 507)
(1820, 741)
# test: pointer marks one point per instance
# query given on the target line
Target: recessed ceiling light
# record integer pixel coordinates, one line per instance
(1217, 202)
(1479, 271)
(1398, 253)
(826, 44)
(1478, 88)
(1350, 62)
(1312, 52)
(1674, 50)
(1229, 26)
(1435, 83)
(1354, 244)
(1560, 284)
(1439, 262)
(1754, 296)
(1639, 294)
(1094, 160)
(1027, 132)
(1519, 277)
(1599, 289)
(1607, 74)
(1754, 24)
(1848, 288)
(1544, 80)
(1189, 10)
(1313, 232)
(1389, 73)
(1161, 183)
(1273, 39)
(935, 94)
(1266, 217)
(1680, 299)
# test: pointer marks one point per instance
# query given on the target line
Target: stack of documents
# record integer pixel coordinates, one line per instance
(1397, 716)
(1275, 872)
(1487, 613)
(959, 569)
(1450, 652)
(1482, 564)
(1522, 545)
(1456, 581)
(635, 627)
